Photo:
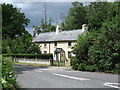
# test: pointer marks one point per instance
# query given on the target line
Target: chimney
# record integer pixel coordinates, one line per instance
(58, 29)
(84, 28)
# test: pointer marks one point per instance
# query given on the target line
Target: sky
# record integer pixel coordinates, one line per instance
(35, 9)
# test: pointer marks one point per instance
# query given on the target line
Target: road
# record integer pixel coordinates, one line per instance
(55, 77)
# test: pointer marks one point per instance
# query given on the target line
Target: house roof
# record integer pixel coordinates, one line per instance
(70, 35)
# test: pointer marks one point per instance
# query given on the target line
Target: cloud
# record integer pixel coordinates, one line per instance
(23, 5)
(10, 1)
(34, 9)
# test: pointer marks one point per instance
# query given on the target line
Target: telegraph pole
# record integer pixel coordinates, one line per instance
(45, 17)
(88, 15)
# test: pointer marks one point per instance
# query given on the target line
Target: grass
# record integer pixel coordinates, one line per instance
(60, 64)
(33, 64)
(42, 65)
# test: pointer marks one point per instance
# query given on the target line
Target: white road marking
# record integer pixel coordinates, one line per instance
(71, 77)
(113, 85)
(38, 71)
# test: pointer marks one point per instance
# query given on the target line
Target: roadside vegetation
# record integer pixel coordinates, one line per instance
(8, 74)
(99, 49)
(15, 40)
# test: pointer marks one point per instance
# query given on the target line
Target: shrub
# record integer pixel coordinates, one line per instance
(8, 74)
(40, 56)
(74, 63)
(90, 68)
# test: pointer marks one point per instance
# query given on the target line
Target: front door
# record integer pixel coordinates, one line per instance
(57, 57)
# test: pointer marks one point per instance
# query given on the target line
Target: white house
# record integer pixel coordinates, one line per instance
(59, 43)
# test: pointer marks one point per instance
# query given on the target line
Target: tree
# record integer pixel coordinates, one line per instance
(15, 38)
(44, 27)
(98, 12)
(13, 21)
(77, 16)
(99, 50)
(36, 31)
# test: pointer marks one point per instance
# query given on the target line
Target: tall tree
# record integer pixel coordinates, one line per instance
(13, 21)
(15, 38)
(44, 26)
(99, 50)
(77, 16)
(98, 12)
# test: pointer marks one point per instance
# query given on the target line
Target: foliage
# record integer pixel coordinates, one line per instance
(15, 38)
(41, 56)
(13, 21)
(98, 12)
(61, 63)
(20, 45)
(44, 27)
(8, 74)
(77, 16)
(99, 50)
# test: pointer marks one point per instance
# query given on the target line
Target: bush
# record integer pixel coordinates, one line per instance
(81, 66)
(8, 74)
(40, 56)
(90, 68)
(74, 63)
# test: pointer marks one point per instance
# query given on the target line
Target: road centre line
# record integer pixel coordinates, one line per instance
(112, 85)
(71, 77)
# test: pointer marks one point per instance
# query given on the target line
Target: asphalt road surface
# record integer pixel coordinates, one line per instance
(56, 77)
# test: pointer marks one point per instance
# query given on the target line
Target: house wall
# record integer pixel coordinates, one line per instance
(50, 47)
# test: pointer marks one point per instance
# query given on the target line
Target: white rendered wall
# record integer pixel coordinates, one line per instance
(50, 47)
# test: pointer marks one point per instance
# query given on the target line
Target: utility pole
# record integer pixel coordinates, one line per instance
(88, 14)
(45, 17)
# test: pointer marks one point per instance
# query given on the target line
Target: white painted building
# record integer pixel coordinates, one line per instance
(59, 43)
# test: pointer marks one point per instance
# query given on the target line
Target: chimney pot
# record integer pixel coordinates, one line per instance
(84, 27)
(58, 29)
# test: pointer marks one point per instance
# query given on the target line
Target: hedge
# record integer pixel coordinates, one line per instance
(40, 56)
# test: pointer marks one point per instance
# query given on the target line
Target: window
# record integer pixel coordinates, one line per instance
(69, 43)
(55, 43)
(69, 54)
(45, 44)
(45, 51)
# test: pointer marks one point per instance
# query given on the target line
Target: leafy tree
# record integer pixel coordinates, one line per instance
(44, 27)
(36, 31)
(98, 12)
(20, 45)
(77, 16)
(99, 50)
(13, 21)
(15, 38)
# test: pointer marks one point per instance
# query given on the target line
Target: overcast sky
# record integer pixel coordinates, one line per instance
(35, 9)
